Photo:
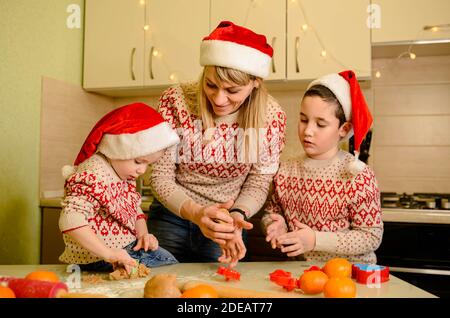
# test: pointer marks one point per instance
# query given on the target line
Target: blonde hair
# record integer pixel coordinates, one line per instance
(252, 112)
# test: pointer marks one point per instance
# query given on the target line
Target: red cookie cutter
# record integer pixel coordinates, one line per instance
(284, 279)
(229, 273)
(370, 274)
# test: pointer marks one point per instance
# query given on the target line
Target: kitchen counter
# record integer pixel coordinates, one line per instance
(254, 276)
(389, 215)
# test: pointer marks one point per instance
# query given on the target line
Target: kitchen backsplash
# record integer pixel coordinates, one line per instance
(410, 102)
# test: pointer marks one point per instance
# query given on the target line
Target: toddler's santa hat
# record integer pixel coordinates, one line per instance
(128, 132)
(346, 89)
(233, 46)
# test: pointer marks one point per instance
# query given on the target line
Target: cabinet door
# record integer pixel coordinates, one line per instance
(52, 243)
(114, 44)
(266, 17)
(403, 20)
(176, 28)
(336, 29)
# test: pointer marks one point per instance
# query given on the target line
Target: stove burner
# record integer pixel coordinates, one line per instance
(430, 201)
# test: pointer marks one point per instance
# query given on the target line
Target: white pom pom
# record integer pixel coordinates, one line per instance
(67, 171)
(356, 166)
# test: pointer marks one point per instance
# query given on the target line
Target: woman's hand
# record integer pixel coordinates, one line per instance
(147, 242)
(300, 241)
(233, 250)
(120, 256)
(276, 229)
(214, 223)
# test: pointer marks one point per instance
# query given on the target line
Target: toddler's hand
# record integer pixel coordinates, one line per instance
(146, 241)
(300, 241)
(117, 255)
(275, 229)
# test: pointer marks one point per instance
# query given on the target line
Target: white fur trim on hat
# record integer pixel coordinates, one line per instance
(236, 56)
(142, 143)
(341, 89)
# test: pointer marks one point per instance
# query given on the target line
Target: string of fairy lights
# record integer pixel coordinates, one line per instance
(307, 26)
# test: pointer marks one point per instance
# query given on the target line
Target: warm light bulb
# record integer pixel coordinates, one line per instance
(156, 53)
(173, 77)
(323, 53)
(434, 29)
(304, 27)
(146, 27)
(412, 56)
(142, 2)
(293, 1)
(377, 74)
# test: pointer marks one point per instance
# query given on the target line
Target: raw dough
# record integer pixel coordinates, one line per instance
(92, 278)
(121, 273)
(162, 286)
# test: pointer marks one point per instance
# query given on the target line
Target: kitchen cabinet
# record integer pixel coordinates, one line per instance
(297, 51)
(326, 36)
(404, 20)
(52, 243)
(142, 43)
(266, 17)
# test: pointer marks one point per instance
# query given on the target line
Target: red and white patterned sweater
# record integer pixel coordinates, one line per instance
(343, 210)
(96, 197)
(212, 172)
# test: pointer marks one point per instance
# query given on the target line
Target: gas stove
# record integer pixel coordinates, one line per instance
(428, 201)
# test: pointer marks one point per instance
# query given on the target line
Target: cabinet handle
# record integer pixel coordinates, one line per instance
(297, 46)
(274, 39)
(150, 63)
(133, 52)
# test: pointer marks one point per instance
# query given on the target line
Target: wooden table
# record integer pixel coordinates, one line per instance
(254, 276)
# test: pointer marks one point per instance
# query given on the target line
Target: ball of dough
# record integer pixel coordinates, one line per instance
(162, 286)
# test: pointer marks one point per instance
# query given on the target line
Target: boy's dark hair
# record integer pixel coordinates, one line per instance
(327, 95)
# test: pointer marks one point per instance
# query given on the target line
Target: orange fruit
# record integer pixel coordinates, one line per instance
(313, 282)
(6, 292)
(340, 287)
(44, 276)
(200, 291)
(338, 267)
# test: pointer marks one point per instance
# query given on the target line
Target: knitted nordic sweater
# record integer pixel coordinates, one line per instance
(343, 210)
(96, 197)
(213, 172)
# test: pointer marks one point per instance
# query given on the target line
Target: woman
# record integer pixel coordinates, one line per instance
(232, 133)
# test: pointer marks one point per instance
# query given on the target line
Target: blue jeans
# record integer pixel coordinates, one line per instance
(182, 238)
(149, 258)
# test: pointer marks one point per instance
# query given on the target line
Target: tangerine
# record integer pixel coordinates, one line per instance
(200, 291)
(6, 292)
(43, 276)
(340, 287)
(338, 267)
(313, 282)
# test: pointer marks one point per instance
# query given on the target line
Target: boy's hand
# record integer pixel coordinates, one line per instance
(277, 228)
(146, 241)
(300, 241)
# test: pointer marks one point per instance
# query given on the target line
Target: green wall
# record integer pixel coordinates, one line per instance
(34, 42)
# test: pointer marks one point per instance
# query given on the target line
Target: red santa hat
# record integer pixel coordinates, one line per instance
(233, 46)
(348, 92)
(128, 132)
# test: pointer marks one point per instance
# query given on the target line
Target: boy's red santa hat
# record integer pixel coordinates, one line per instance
(236, 47)
(128, 132)
(348, 92)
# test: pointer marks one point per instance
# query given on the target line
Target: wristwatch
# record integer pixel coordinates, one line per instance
(239, 211)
